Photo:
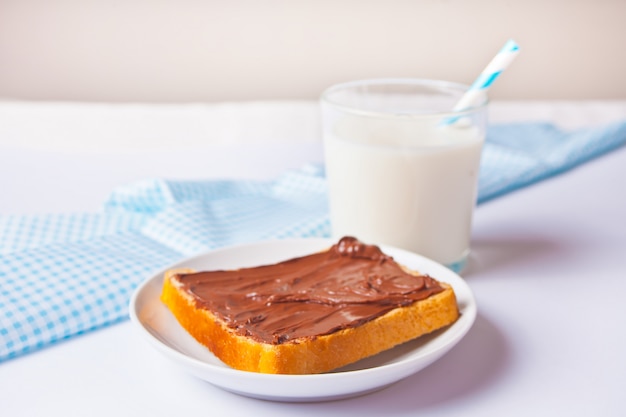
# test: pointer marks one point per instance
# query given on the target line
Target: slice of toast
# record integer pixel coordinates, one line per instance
(310, 314)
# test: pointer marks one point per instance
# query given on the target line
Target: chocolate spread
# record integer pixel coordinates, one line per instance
(309, 296)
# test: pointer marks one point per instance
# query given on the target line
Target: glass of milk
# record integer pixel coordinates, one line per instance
(402, 167)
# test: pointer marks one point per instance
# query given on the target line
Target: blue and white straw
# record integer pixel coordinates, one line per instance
(475, 94)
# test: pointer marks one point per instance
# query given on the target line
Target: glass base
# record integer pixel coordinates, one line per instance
(459, 265)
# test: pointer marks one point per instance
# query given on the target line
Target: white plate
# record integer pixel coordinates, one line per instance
(162, 330)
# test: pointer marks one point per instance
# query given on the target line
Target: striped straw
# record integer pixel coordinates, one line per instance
(491, 72)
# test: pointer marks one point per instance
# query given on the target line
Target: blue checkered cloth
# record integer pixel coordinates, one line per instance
(62, 275)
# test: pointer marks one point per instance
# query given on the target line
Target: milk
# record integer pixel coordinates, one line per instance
(404, 183)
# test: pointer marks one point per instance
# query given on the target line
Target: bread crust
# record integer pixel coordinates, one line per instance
(308, 355)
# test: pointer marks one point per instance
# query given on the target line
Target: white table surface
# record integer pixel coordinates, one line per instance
(547, 267)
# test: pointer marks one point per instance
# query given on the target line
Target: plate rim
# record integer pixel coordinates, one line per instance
(196, 365)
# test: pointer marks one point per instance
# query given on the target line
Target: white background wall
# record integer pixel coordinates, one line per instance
(212, 50)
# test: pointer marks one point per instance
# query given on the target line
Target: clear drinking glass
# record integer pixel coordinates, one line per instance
(402, 167)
